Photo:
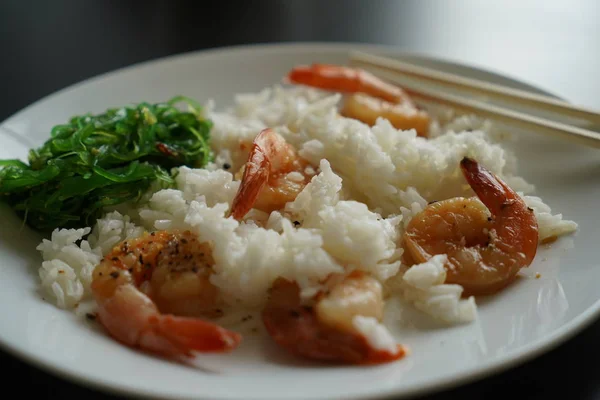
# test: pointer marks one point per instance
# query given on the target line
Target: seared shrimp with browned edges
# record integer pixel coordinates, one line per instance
(151, 292)
(325, 329)
(487, 240)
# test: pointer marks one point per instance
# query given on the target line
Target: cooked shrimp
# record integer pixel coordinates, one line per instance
(338, 78)
(370, 97)
(367, 109)
(150, 291)
(273, 175)
(487, 244)
(325, 331)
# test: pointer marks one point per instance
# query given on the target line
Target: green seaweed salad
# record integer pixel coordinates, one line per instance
(96, 161)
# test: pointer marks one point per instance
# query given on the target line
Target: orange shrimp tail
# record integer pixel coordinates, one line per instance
(256, 175)
(304, 75)
(269, 150)
(488, 187)
(519, 228)
(382, 356)
(345, 79)
(189, 334)
(133, 319)
(297, 329)
(326, 77)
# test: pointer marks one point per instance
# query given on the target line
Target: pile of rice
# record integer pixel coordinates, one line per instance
(368, 183)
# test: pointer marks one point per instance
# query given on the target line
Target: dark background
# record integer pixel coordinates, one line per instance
(47, 45)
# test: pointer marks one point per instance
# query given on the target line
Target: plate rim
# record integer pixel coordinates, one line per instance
(486, 369)
(273, 46)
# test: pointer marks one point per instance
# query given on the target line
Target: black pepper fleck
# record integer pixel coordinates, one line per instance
(296, 223)
(226, 166)
(91, 317)
(114, 274)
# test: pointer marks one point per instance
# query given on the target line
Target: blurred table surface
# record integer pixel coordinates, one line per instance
(555, 45)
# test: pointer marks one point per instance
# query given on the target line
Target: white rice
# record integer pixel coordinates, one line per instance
(66, 272)
(369, 183)
(549, 224)
(376, 333)
(423, 286)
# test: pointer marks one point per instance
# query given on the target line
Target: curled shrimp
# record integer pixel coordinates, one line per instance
(486, 244)
(338, 78)
(273, 175)
(151, 290)
(326, 331)
(370, 97)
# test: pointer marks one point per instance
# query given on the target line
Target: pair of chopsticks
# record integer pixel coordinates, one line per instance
(403, 74)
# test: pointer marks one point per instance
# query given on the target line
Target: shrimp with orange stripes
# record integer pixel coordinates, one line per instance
(325, 327)
(369, 97)
(153, 292)
(487, 239)
(273, 175)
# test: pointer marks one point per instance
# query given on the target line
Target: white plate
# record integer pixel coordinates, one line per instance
(528, 318)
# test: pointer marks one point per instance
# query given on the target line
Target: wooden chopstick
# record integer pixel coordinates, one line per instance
(515, 118)
(491, 90)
